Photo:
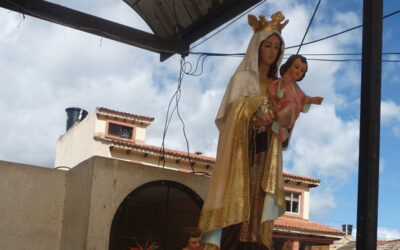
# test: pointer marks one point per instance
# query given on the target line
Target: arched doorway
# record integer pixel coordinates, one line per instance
(155, 212)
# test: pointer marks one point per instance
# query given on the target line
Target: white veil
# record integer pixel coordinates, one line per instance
(245, 80)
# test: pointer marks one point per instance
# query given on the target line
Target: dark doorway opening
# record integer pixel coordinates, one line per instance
(156, 212)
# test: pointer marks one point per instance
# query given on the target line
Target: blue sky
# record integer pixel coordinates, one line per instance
(45, 68)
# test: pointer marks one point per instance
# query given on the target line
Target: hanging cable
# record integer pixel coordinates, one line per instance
(309, 24)
(169, 114)
(229, 24)
(342, 32)
(344, 60)
(288, 54)
(309, 54)
(193, 72)
(177, 96)
(295, 46)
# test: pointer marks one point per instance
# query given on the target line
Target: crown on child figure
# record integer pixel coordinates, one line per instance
(264, 24)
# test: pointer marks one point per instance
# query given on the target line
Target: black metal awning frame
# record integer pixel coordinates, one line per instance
(98, 26)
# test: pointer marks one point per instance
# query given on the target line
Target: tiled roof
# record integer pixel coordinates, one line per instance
(295, 177)
(106, 111)
(304, 226)
(388, 244)
(182, 154)
(157, 150)
(381, 245)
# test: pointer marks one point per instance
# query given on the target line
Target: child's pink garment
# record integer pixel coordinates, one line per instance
(288, 101)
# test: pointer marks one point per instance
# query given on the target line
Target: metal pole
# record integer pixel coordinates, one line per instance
(368, 175)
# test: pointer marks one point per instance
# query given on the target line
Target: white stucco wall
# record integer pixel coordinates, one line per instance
(140, 135)
(95, 190)
(31, 207)
(100, 126)
(48, 209)
(77, 144)
(306, 207)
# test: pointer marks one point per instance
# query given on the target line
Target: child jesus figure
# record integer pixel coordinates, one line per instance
(288, 99)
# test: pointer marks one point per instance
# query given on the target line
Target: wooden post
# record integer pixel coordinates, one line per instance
(368, 173)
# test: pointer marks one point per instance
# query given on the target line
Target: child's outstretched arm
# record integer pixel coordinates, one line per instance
(314, 100)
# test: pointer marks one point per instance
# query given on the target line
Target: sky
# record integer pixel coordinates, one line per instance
(45, 68)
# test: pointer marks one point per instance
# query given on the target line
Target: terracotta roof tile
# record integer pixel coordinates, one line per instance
(204, 158)
(157, 150)
(303, 178)
(133, 116)
(304, 225)
(389, 243)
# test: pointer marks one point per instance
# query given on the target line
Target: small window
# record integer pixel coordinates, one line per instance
(292, 202)
(120, 131)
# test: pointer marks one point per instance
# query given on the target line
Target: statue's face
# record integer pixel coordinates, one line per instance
(296, 70)
(269, 50)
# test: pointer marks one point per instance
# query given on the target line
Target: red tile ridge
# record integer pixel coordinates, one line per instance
(304, 178)
(208, 159)
(158, 150)
(142, 117)
(384, 242)
(304, 225)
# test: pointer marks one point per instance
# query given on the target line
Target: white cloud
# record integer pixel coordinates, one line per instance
(388, 234)
(381, 165)
(390, 115)
(324, 145)
(322, 202)
(73, 68)
(396, 130)
(382, 234)
(390, 111)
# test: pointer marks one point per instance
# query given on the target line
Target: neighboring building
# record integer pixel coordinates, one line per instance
(380, 245)
(294, 228)
(346, 240)
(118, 192)
(121, 135)
(388, 244)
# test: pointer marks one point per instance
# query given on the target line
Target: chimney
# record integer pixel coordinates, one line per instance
(347, 229)
(75, 115)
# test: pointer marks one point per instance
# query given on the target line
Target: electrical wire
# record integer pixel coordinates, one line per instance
(308, 27)
(341, 32)
(229, 24)
(289, 54)
(193, 72)
(177, 96)
(168, 117)
(309, 54)
(295, 46)
(203, 56)
(344, 60)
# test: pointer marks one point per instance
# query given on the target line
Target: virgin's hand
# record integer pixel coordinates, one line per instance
(261, 120)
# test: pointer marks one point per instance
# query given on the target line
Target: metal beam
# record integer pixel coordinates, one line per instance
(216, 18)
(368, 173)
(213, 20)
(78, 20)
